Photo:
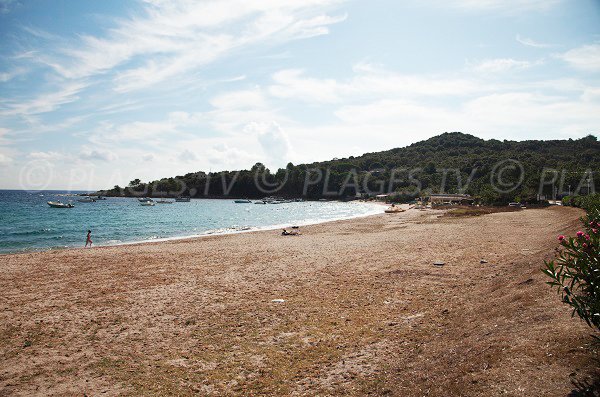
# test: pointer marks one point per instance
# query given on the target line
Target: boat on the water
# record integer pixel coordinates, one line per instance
(144, 199)
(260, 202)
(147, 203)
(182, 199)
(100, 198)
(58, 204)
(86, 200)
(242, 201)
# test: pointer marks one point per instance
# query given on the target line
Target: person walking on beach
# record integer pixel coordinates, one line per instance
(89, 239)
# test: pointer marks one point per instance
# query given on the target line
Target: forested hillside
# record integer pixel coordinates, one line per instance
(496, 171)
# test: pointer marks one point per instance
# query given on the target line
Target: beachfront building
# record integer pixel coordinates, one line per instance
(450, 199)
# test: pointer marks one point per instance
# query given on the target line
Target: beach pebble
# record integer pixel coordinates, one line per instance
(483, 261)
(439, 263)
(278, 300)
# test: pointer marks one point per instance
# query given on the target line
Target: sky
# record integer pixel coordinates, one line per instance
(98, 93)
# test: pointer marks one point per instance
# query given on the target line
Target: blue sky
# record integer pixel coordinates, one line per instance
(94, 94)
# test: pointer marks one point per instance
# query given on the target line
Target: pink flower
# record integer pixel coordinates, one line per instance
(584, 245)
(561, 238)
(587, 236)
(579, 233)
(594, 231)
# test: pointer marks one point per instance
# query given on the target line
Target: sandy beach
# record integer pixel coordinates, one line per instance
(351, 307)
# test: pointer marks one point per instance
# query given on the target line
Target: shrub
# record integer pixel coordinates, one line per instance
(576, 270)
(589, 203)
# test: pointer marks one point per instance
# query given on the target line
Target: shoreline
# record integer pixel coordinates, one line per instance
(350, 307)
(208, 233)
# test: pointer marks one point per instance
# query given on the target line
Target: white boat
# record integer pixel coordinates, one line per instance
(260, 202)
(144, 199)
(58, 204)
(147, 203)
(86, 200)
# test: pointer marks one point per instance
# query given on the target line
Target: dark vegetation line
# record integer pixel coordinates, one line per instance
(448, 163)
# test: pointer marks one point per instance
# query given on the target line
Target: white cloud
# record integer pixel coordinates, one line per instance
(223, 155)
(48, 156)
(146, 132)
(532, 43)
(169, 39)
(510, 6)
(239, 100)
(5, 160)
(273, 140)
(188, 156)
(368, 81)
(148, 157)
(43, 103)
(9, 75)
(3, 133)
(97, 154)
(586, 58)
(293, 84)
(501, 65)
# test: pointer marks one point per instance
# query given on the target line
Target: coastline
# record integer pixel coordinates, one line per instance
(216, 232)
(349, 307)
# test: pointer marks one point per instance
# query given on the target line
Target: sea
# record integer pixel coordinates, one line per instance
(27, 223)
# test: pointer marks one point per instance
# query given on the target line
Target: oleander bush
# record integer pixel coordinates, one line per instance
(575, 271)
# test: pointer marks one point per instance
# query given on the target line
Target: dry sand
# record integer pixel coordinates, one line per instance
(365, 313)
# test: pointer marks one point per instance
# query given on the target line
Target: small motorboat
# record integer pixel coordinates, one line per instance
(147, 203)
(183, 199)
(144, 199)
(86, 200)
(58, 204)
(260, 202)
(242, 201)
(100, 198)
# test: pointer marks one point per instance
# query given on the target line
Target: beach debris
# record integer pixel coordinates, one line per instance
(278, 300)
(439, 263)
(483, 261)
(528, 281)
(414, 316)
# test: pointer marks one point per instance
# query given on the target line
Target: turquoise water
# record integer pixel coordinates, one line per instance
(28, 223)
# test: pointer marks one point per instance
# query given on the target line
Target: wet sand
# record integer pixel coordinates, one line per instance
(364, 312)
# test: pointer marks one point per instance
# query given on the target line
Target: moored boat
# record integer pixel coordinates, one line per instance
(58, 204)
(183, 199)
(144, 199)
(86, 200)
(242, 201)
(147, 203)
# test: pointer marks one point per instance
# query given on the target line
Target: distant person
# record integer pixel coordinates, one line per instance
(88, 239)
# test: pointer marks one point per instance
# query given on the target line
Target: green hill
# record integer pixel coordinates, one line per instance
(496, 171)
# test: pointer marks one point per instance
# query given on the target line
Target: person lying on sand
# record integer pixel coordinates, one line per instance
(292, 233)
